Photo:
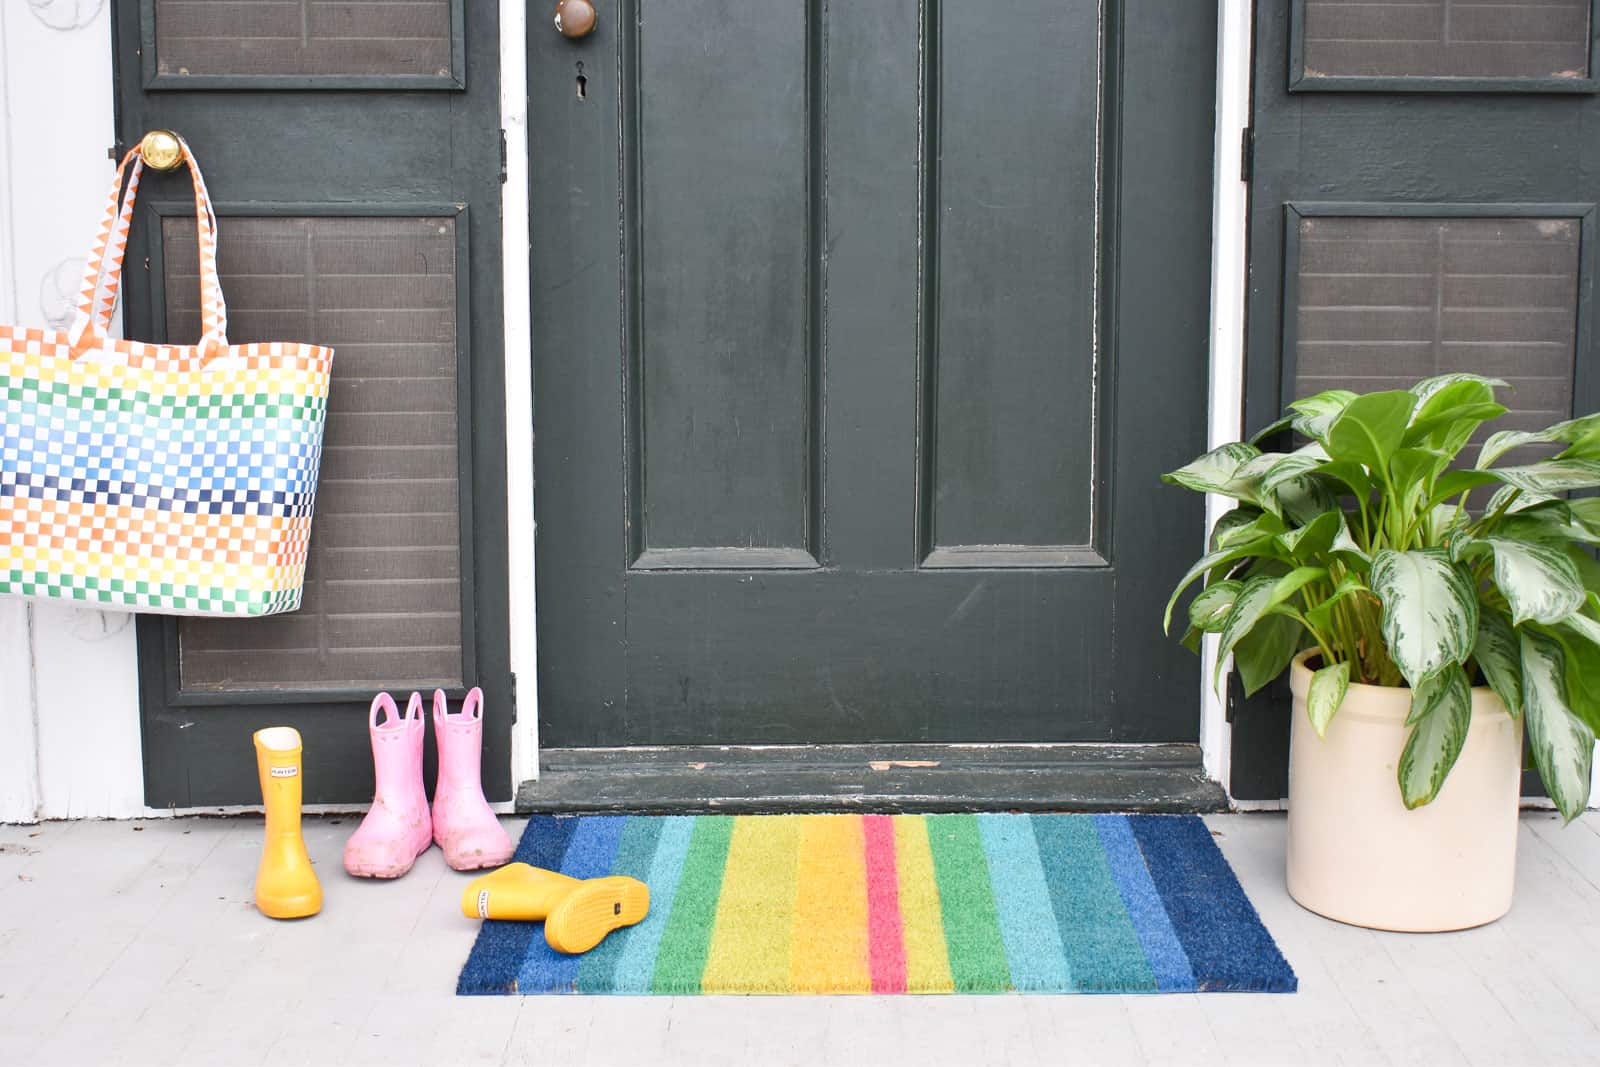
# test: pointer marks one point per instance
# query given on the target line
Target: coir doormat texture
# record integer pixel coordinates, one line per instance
(895, 904)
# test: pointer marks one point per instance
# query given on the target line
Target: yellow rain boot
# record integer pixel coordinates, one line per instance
(592, 910)
(516, 891)
(286, 886)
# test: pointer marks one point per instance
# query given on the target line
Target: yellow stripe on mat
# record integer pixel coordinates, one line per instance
(750, 942)
(927, 960)
(830, 911)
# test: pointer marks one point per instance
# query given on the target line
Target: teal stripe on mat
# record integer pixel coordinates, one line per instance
(1022, 902)
(1097, 935)
(635, 853)
(1162, 949)
(638, 961)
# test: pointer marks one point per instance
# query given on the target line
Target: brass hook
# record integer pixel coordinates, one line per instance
(161, 150)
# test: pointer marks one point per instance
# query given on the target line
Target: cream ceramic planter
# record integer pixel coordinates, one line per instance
(1357, 855)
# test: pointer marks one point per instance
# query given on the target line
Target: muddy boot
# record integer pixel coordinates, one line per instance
(469, 833)
(397, 828)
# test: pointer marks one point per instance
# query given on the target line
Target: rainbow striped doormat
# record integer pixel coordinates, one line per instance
(895, 904)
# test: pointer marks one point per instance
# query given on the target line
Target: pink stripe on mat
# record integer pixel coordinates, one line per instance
(885, 936)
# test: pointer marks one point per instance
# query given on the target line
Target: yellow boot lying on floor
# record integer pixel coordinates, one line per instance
(577, 913)
(286, 885)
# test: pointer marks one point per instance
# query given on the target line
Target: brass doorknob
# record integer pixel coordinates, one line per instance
(574, 18)
(161, 150)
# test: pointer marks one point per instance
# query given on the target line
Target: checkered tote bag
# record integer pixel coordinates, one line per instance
(176, 479)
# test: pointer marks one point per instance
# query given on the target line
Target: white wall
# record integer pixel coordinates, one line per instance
(69, 715)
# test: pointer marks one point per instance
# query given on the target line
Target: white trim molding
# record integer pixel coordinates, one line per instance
(69, 695)
(519, 387)
(1229, 233)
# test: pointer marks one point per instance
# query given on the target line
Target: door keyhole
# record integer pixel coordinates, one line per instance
(583, 84)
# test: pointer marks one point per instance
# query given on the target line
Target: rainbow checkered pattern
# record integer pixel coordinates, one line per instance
(146, 477)
(176, 479)
(895, 904)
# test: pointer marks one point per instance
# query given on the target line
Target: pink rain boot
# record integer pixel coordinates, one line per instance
(397, 829)
(463, 825)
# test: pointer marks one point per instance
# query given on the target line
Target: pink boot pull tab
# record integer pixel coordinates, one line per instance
(463, 824)
(397, 828)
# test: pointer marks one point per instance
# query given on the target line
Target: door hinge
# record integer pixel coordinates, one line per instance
(1247, 153)
(503, 157)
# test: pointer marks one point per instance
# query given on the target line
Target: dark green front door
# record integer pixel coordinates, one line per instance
(861, 334)
(1422, 202)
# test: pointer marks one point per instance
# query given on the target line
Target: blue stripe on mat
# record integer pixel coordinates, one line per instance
(636, 852)
(589, 855)
(1222, 935)
(501, 946)
(1162, 949)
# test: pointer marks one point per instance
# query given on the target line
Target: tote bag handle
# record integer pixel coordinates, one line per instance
(102, 276)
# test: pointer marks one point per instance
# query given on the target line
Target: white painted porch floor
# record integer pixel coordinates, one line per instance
(135, 942)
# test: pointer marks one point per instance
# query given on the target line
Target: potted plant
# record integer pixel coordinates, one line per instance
(1427, 612)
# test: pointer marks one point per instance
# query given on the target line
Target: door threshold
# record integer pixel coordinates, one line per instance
(886, 777)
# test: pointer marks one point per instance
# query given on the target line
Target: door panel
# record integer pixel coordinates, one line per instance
(1012, 354)
(368, 221)
(1417, 210)
(842, 433)
(724, 357)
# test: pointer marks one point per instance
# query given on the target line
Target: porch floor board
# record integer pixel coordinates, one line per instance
(139, 946)
(770, 779)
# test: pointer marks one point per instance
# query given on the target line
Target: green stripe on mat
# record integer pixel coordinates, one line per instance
(971, 924)
(682, 957)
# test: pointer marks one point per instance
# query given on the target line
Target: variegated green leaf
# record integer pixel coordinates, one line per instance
(1272, 429)
(1539, 583)
(1218, 471)
(1255, 599)
(1562, 744)
(1552, 476)
(1574, 430)
(1443, 521)
(1430, 610)
(1292, 465)
(1441, 714)
(1251, 603)
(1328, 687)
(1243, 523)
(1512, 499)
(1315, 413)
(1450, 412)
(1427, 388)
(1583, 667)
(1583, 625)
(1302, 499)
(1499, 656)
(1209, 610)
(1345, 545)
(1586, 513)
(1231, 554)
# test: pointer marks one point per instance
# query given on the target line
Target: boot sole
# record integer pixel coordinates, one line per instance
(591, 911)
(387, 873)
